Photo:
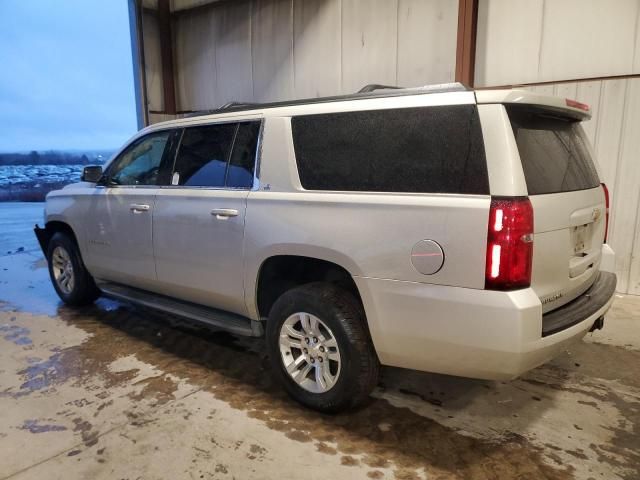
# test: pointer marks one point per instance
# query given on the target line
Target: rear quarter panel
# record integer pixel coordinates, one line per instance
(369, 234)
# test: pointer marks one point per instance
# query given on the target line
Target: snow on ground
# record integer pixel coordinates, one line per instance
(38, 174)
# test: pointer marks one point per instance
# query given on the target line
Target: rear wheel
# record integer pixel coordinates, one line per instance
(71, 280)
(320, 349)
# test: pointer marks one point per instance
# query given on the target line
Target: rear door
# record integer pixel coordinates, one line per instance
(568, 202)
(198, 221)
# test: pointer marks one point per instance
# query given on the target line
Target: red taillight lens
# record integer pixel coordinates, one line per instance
(509, 244)
(606, 212)
(575, 104)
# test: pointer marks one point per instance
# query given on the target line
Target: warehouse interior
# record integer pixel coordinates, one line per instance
(196, 55)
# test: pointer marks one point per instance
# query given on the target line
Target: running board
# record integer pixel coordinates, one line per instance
(216, 318)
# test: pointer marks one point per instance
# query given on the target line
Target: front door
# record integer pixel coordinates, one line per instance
(119, 216)
(198, 221)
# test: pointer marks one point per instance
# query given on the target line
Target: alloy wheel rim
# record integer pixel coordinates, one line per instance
(63, 270)
(310, 352)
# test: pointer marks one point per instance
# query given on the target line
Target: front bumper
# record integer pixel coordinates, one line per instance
(467, 332)
(43, 236)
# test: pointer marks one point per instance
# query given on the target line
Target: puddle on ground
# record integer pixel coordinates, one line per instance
(16, 334)
(235, 370)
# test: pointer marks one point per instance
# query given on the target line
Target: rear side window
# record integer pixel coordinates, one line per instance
(221, 155)
(553, 150)
(203, 155)
(424, 150)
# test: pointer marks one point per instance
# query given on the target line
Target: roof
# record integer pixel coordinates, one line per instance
(377, 94)
(369, 91)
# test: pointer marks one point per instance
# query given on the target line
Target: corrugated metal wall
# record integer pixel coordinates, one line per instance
(266, 50)
(528, 41)
(614, 131)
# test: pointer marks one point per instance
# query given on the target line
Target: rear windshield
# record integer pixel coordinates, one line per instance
(425, 150)
(554, 151)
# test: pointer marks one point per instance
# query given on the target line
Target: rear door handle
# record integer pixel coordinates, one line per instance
(138, 208)
(222, 213)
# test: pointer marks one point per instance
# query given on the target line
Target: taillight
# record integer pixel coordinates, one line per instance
(606, 211)
(575, 104)
(509, 244)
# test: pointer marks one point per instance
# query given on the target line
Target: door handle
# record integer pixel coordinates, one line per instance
(138, 208)
(222, 213)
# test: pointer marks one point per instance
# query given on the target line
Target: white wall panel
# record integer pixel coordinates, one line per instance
(589, 93)
(526, 41)
(195, 72)
(543, 89)
(587, 38)
(369, 43)
(508, 41)
(152, 62)
(627, 191)
(426, 48)
(636, 47)
(634, 270)
(317, 40)
(272, 50)
(234, 70)
(267, 50)
(566, 90)
(609, 129)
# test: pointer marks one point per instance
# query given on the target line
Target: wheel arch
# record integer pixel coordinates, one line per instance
(281, 272)
(52, 227)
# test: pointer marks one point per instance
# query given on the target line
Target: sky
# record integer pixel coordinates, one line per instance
(66, 75)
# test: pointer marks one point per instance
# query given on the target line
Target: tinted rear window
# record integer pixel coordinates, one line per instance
(425, 150)
(554, 152)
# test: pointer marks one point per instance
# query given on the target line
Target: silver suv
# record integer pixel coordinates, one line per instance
(436, 229)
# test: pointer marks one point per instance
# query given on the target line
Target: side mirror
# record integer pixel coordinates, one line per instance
(91, 174)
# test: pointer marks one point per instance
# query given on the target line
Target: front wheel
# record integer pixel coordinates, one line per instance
(71, 280)
(320, 349)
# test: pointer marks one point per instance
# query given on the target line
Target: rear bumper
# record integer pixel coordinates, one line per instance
(587, 304)
(466, 332)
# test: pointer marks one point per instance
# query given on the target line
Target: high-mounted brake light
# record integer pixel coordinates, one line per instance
(576, 104)
(509, 244)
(606, 211)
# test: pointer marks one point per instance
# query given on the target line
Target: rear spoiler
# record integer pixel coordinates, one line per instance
(569, 107)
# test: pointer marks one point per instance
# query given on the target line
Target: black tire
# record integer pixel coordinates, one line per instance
(344, 316)
(84, 290)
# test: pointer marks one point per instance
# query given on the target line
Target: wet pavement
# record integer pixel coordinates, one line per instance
(111, 391)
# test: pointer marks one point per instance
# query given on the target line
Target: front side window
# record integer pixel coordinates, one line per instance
(140, 163)
(221, 155)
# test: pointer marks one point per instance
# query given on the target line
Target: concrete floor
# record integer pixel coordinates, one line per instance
(111, 391)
